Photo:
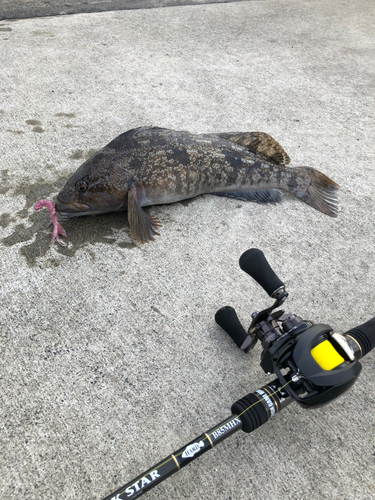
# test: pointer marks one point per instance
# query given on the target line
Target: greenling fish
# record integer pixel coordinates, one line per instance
(152, 166)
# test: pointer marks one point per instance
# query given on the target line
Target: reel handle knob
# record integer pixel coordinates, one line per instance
(254, 263)
(227, 318)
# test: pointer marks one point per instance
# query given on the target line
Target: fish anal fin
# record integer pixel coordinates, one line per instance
(261, 196)
(143, 227)
(259, 142)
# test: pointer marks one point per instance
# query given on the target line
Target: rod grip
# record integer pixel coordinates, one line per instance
(364, 335)
(227, 318)
(252, 413)
(254, 263)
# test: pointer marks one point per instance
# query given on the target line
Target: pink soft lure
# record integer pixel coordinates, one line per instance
(57, 227)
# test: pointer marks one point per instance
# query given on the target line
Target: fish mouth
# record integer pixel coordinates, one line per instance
(72, 208)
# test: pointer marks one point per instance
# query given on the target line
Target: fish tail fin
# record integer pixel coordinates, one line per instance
(315, 189)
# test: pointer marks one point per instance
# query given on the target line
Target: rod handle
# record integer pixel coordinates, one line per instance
(257, 407)
(364, 335)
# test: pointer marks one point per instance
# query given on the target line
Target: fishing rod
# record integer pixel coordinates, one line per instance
(313, 366)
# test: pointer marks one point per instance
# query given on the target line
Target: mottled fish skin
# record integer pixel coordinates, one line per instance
(151, 166)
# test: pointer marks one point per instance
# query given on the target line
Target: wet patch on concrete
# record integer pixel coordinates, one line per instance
(4, 183)
(5, 220)
(79, 154)
(76, 155)
(65, 115)
(81, 231)
(90, 153)
(15, 132)
(37, 190)
(46, 34)
(33, 122)
(36, 126)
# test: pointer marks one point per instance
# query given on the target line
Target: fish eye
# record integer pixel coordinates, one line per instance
(81, 186)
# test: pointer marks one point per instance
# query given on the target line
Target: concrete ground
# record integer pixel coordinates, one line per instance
(111, 358)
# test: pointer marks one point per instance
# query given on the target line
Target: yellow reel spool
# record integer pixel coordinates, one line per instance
(326, 356)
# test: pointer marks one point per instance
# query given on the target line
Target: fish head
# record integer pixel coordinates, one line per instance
(96, 187)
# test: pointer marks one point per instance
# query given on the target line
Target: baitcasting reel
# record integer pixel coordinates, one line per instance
(314, 364)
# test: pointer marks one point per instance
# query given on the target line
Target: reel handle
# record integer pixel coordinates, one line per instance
(227, 318)
(254, 263)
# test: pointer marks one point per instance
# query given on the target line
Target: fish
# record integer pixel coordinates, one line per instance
(152, 166)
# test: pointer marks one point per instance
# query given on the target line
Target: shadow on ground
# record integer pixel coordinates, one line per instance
(17, 9)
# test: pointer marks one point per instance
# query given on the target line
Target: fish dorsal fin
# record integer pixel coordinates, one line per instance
(259, 142)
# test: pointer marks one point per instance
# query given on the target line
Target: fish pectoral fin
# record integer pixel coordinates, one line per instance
(262, 196)
(259, 142)
(143, 227)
